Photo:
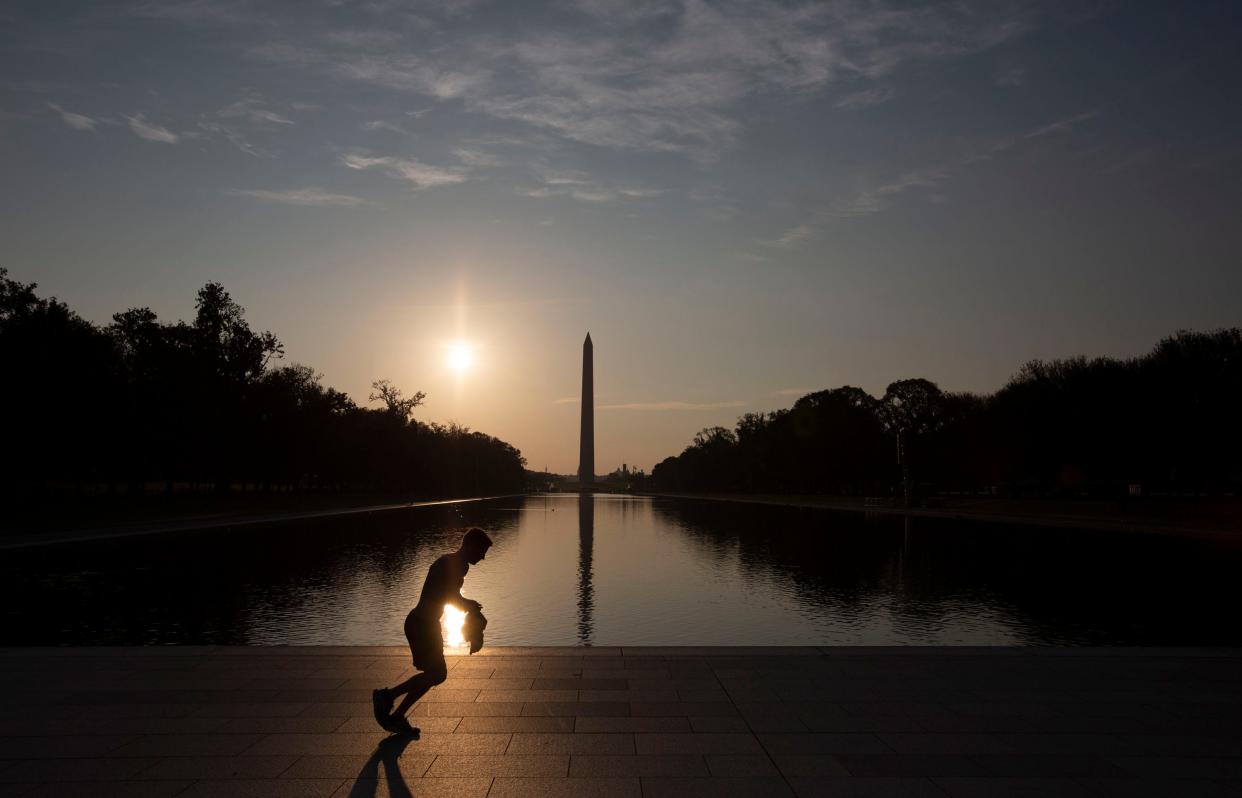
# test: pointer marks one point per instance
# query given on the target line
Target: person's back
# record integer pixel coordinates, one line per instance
(444, 581)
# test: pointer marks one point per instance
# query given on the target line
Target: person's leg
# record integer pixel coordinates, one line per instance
(417, 687)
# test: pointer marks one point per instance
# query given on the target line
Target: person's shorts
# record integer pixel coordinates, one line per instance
(426, 643)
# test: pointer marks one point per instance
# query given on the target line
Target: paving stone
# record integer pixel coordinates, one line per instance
(761, 787)
(684, 709)
(263, 788)
(511, 724)
(357, 766)
(62, 747)
(311, 724)
(823, 744)
(364, 724)
(505, 787)
(910, 765)
(526, 695)
(466, 710)
(647, 765)
(1162, 788)
(575, 709)
(105, 789)
(882, 787)
(810, 766)
(466, 787)
(739, 765)
(1013, 787)
(1048, 766)
(503, 765)
(90, 769)
(572, 743)
(673, 725)
(189, 745)
(217, 767)
(697, 744)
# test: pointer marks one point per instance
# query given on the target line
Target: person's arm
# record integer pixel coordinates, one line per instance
(461, 602)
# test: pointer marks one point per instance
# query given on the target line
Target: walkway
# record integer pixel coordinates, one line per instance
(627, 722)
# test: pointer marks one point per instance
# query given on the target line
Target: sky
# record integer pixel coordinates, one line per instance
(740, 201)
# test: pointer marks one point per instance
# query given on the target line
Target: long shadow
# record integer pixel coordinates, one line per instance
(387, 753)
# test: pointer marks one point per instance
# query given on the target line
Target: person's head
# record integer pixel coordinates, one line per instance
(475, 544)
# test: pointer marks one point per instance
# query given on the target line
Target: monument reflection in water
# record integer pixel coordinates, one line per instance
(624, 570)
(586, 550)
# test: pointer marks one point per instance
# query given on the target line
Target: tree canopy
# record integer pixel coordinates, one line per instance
(1167, 421)
(209, 404)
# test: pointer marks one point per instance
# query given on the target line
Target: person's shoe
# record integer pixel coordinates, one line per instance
(405, 729)
(397, 724)
(381, 703)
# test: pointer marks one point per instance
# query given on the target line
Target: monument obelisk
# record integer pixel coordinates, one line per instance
(586, 451)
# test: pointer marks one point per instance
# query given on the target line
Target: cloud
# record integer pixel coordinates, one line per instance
(866, 98)
(584, 188)
(566, 400)
(196, 11)
(475, 157)
(792, 237)
(420, 174)
(1009, 76)
(874, 200)
(1061, 125)
(75, 121)
(151, 132)
(313, 197)
(673, 406)
(251, 108)
(656, 77)
(380, 124)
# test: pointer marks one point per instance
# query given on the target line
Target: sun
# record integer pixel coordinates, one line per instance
(459, 358)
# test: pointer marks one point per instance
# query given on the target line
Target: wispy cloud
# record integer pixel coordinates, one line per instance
(472, 156)
(1062, 125)
(380, 124)
(663, 77)
(420, 174)
(866, 98)
(672, 406)
(876, 199)
(1009, 76)
(151, 132)
(566, 400)
(584, 188)
(313, 197)
(196, 11)
(792, 237)
(75, 121)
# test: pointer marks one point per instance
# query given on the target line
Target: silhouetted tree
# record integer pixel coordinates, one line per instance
(201, 404)
(1076, 426)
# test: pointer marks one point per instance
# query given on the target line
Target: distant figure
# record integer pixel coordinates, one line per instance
(422, 629)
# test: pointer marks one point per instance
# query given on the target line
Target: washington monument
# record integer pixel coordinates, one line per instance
(586, 454)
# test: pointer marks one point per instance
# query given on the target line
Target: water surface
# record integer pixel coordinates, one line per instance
(623, 570)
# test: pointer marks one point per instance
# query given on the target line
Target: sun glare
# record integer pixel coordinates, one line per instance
(450, 624)
(459, 358)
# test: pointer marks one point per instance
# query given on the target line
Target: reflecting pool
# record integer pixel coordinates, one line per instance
(626, 570)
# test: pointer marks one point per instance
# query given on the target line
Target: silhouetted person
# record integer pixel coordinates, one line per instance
(422, 630)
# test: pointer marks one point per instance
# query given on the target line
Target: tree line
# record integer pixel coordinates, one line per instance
(1166, 422)
(141, 405)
